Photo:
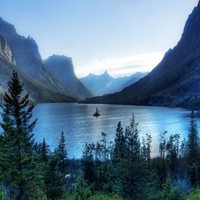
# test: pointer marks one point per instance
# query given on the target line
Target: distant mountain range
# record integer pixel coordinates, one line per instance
(175, 81)
(51, 80)
(105, 84)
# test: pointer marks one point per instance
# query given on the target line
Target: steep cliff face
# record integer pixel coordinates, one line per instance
(23, 48)
(38, 93)
(28, 59)
(179, 71)
(175, 81)
(6, 59)
(62, 68)
(5, 50)
(43, 87)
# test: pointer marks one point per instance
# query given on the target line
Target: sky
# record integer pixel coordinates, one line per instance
(120, 36)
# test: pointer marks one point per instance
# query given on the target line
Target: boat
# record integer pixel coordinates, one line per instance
(97, 113)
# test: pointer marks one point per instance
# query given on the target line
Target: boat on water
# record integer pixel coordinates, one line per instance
(97, 113)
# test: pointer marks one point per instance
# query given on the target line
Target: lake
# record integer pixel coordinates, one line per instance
(79, 125)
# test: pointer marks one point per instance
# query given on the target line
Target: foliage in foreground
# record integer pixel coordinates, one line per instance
(123, 169)
(194, 195)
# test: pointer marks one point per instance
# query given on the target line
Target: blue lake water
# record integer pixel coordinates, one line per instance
(79, 125)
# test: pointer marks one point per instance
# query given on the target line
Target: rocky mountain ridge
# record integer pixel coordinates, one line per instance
(37, 92)
(24, 54)
(175, 81)
(28, 58)
(105, 84)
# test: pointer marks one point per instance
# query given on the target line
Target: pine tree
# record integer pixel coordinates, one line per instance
(82, 190)
(172, 148)
(119, 148)
(134, 163)
(18, 170)
(88, 163)
(62, 154)
(162, 165)
(130, 163)
(44, 151)
(133, 140)
(54, 180)
(148, 150)
(119, 152)
(193, 152)
(172, 191)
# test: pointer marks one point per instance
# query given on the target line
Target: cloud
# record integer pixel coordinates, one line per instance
(121, 66)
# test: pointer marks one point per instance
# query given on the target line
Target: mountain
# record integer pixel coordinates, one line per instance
(6, 59)
(62, 68)
(28, 60)
(98, 84)
(5, 50)
(175, 81)
(105, 84)
(134, 78)
(37, 92)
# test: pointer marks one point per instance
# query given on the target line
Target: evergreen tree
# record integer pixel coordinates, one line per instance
(172, 148)
(119, 152)
(44, 151)
(193, 152)
(182, 159)
(119, 148)
(62, 154)
(162, 165)
(102, 165)
(82, 190)
(54, 180)
(134, 163)
(18, 169)
(172, 191)
(88, 165)
(104, 148)
(133, 140)
(131, 163)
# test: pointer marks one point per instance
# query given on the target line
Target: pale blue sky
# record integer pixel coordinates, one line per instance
(122, 36)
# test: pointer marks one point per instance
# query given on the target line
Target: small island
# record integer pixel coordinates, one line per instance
(97, 113)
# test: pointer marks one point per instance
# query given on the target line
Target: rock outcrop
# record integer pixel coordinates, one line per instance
(62, 68)
(5, 50)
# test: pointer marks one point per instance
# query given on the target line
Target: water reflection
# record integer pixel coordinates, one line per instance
(79, 125)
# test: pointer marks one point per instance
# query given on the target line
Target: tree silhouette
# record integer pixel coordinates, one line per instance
(193, 152)
(62, 154)
(17, 163)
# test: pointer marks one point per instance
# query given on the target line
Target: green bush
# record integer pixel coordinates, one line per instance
(194, 195)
